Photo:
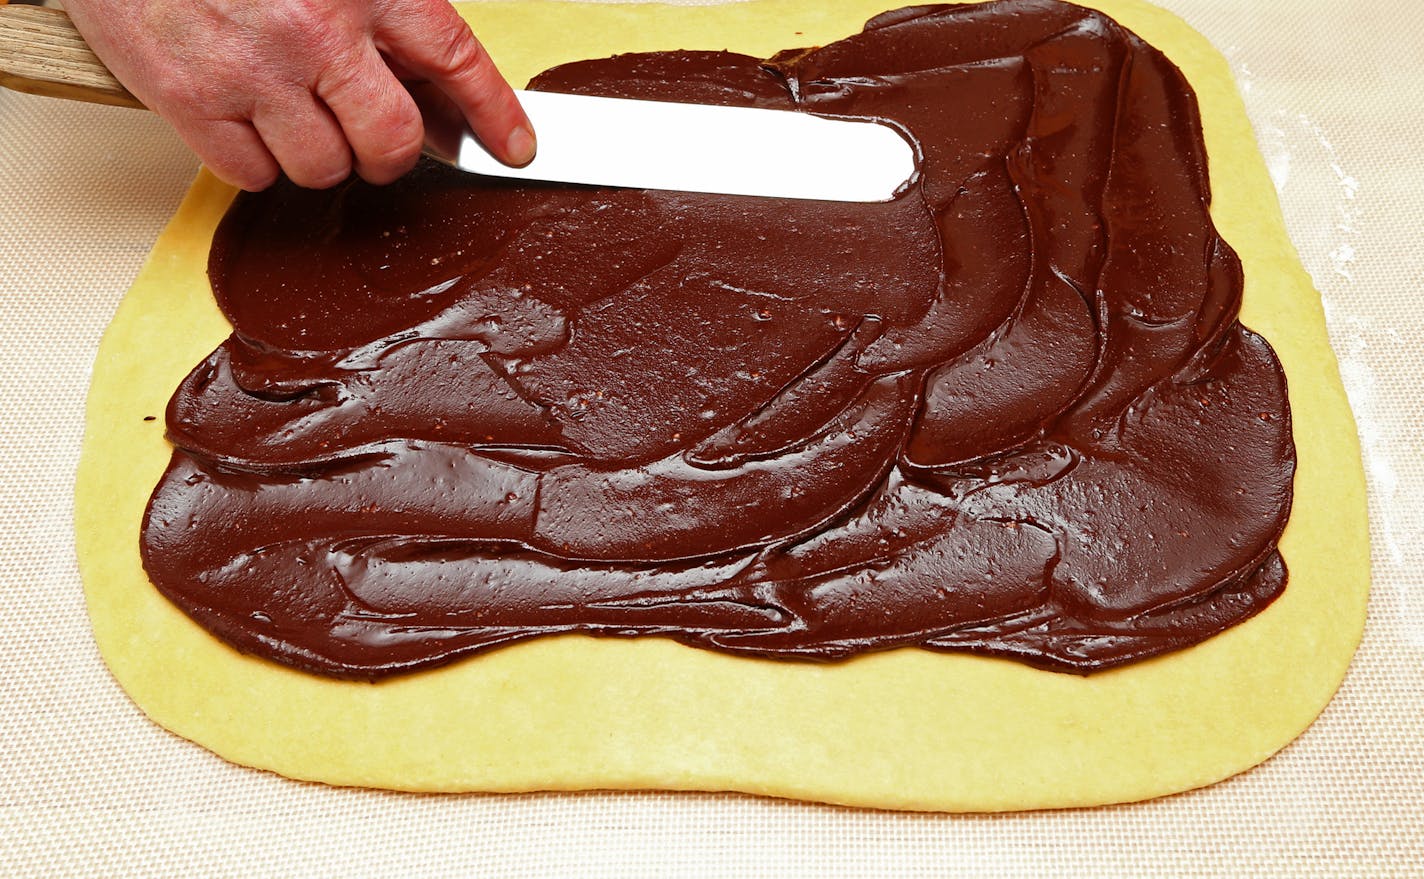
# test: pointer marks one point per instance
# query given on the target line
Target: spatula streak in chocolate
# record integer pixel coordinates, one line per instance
(1010, 412)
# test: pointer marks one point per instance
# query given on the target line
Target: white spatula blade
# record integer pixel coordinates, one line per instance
(703, 148)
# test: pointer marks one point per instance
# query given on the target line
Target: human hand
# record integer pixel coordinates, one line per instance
(311, 88)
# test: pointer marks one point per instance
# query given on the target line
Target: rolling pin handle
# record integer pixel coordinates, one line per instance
(42, 53)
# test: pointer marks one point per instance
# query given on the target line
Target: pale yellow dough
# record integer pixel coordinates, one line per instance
(907, 729)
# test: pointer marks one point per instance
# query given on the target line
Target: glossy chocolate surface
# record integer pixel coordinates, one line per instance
(1010, 412)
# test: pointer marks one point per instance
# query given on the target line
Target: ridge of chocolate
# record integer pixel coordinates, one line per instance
(1009, 412)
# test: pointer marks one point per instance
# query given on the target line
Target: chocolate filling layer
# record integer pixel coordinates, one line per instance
(1009, 412)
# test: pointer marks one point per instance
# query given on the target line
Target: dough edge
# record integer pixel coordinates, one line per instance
(905, 729)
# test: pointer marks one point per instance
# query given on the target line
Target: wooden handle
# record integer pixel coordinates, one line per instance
(41, 53)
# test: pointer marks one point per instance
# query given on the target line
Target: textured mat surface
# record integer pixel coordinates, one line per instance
(90, 787)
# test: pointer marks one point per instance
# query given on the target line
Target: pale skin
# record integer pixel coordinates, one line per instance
(307, 88)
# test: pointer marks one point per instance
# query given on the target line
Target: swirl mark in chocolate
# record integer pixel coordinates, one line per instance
(1009, 412)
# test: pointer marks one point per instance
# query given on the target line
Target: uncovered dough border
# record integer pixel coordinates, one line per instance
(906, 729)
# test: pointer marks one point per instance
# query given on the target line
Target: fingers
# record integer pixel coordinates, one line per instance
(300, 86)
(304, 138)
(378, 117)
(431, 40)
(233, 151)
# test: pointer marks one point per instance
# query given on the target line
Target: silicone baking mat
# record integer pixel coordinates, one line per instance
(89, 787)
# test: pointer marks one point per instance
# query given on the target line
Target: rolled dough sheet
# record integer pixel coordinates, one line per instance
(905, 729)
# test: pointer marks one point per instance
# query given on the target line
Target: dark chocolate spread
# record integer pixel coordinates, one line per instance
(1009, 412)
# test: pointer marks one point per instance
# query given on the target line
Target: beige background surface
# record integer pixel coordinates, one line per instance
(89, 787)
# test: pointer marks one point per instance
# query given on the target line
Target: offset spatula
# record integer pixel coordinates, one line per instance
(603, 141)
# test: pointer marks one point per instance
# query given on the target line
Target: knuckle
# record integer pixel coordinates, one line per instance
(261, 182)
(306, 45)
(381, 177)
(303, 23)
(249, 178)
(328, 172)
(342, 75)
(457, 52)
(313, 153)
(389, 158)
(393, 145)
(226, 154)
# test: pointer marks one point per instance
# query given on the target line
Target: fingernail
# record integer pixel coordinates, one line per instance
(520, 147)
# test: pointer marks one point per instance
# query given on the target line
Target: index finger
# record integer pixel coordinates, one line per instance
(431, 40)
